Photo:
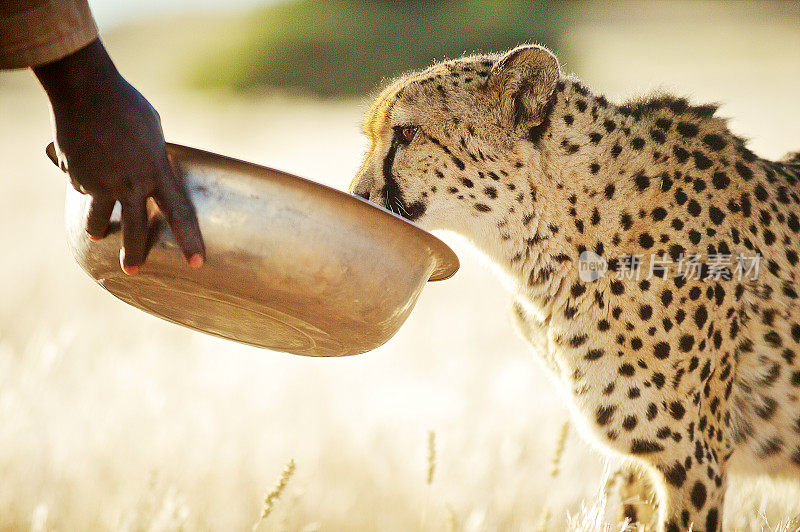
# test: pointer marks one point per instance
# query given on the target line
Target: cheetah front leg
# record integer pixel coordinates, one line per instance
(685, 492)
(690, 470)
(636, 496)
(681, 435)
(638, 504)
(693, 496)
(675, 422)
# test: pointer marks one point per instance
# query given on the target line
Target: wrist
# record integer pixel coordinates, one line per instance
(79, 77)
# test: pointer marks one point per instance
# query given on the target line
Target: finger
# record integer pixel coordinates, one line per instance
(174, 203)
(100, 210)
(134, 235)
(76, 184)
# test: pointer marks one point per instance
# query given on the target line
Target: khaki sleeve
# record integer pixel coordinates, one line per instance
(36, 32)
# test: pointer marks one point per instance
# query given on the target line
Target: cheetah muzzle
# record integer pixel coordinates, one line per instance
(690, 376)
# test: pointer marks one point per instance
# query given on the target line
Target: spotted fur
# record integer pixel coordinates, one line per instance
(689, 378)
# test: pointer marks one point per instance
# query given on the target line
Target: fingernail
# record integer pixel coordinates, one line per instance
(130, 270)
(196, 261)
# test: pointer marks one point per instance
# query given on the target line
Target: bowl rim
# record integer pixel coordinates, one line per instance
(445, 259)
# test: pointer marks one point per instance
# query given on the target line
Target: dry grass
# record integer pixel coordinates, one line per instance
(431, 456)
(275, 493)
(558, 454)
(112, 419)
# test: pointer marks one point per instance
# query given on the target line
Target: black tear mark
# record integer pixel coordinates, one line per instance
(394, 195)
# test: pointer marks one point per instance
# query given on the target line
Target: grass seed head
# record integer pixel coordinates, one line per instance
(431, 455)
(274, 494)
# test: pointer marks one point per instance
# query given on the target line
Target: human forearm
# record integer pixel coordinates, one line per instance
(78, 77)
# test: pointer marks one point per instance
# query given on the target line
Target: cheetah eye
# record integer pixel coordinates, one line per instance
(405, 134)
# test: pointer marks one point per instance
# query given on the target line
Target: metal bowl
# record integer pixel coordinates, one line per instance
(291, 265)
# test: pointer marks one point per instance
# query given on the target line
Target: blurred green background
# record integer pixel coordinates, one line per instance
(335, 48)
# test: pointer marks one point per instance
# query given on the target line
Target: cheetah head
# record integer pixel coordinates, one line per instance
(439, 138)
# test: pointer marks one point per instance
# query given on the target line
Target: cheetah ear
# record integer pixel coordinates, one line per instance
(523, 81)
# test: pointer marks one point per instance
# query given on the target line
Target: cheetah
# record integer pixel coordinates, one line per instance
(690, 377)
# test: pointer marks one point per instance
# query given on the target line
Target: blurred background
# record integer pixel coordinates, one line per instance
(113, 419)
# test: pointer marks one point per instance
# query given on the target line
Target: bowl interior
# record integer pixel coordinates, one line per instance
(446, 261)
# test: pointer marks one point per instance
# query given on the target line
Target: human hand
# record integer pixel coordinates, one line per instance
(109, 139)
